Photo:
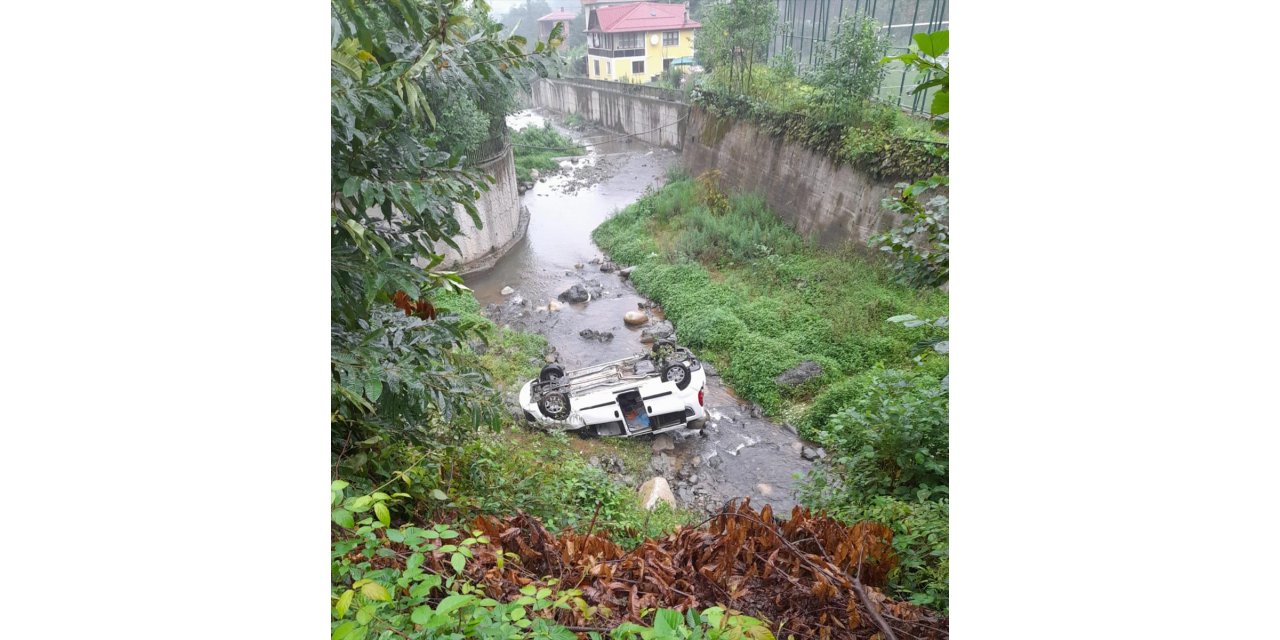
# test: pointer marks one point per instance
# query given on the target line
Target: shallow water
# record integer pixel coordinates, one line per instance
(756, 458)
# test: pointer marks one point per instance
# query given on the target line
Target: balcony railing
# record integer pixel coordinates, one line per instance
(616, 53)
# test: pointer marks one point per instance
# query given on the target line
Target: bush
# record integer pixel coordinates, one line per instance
(534, 148)
(716, 329)
(754, 361)
(890, 437)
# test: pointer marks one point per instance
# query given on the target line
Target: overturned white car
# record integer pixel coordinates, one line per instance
(643, 394)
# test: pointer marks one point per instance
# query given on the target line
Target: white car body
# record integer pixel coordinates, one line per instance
(596, 396)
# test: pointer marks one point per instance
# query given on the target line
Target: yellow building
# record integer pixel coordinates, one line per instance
(636, 41)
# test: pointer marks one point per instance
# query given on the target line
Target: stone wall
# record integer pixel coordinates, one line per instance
(505, 220)
(628, 109)
(835, 205)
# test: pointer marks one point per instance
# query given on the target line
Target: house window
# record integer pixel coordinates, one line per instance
(608, 68)
(637, 66)
(666, 64)
(630, 40)
(597, 66)
(670, 38)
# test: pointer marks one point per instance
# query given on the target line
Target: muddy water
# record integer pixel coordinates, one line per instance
(737, 455)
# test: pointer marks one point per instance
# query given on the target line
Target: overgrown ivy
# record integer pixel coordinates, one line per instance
(869, 147)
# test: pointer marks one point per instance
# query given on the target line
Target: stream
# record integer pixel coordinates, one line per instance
(739, 453)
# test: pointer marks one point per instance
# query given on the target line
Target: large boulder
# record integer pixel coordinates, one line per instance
(635, 318)
(655, 490)
(576, 293)
(799, 374)
(663, 329)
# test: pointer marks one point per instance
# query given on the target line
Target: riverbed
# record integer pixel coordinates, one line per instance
(739, 454)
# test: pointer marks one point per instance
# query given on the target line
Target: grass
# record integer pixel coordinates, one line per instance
(756, 299)
(534, 148)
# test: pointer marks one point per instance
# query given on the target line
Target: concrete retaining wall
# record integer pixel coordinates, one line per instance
(641, 115)
(836, 205)
(505, 221)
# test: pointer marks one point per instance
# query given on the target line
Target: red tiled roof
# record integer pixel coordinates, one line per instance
(558, 15)
(643, 16)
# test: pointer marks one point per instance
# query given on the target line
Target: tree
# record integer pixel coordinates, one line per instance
(734, 33)
(851, 71)
(396, 363)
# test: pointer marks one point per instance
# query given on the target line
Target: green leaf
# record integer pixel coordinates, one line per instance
(458, 561)
(343, 630)
(365, 614)
(375, 591)
(940, 105)
(933, 44)
(339, 485)
(384, 516)
(344, 603)
(439, 495)
(414, 561)
(453, 603)
(422, 614)
(373, 388)
(666, 621)
(344, 518)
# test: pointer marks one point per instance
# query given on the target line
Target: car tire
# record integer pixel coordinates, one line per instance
(554, 406)
(678, 373)
(551, 372)
(699, 424)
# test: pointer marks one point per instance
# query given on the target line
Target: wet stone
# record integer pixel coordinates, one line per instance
(799, 374)
(506, 291)
(576, 293)
(663, 443)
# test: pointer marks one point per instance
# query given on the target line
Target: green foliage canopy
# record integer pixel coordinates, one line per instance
(395, 191)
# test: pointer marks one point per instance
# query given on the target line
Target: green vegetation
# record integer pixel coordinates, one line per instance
(829, 107)
(733, 36)
(928, 57)
(534, 148)
(920, 248)
(396, 580)
(756, 299)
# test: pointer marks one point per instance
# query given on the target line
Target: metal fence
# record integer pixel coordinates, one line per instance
(488, 151)
(805, 26)
(658, 93)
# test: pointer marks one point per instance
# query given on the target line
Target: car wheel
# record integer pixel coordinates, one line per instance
(678, 373)
(551, 372)
(554, 406)
(699, 424)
